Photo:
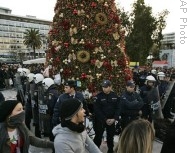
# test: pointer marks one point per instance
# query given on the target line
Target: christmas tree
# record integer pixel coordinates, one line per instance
(87, 44)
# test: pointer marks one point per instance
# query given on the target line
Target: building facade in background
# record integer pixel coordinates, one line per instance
(167, 51)
(12, 28)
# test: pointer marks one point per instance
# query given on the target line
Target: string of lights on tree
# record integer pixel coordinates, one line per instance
(87, 44)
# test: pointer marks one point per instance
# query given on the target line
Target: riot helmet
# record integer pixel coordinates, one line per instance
(25, 71)
(47, 82)
(161, 75)
(38, 78)
(20, 71)
(150, 79)
(30, 77)
(153, 71)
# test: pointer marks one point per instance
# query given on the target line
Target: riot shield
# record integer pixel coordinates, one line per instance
(27, 91)
(167, 94)
(20, 96)
(34, 102)
(44, 118)
(154, 103)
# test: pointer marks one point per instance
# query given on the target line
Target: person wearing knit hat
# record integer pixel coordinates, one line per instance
(70, 134)
(74, 106)
(12, 127)
(70, 92)
(6, 109)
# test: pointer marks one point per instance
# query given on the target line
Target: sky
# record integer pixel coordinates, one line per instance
(44, 9)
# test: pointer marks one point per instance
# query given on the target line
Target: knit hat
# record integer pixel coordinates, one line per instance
(69, 108)
(6, 108)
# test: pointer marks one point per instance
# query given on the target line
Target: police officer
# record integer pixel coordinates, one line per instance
(19, 85)
(131, 104)
(27, 96)
(151, 98)
(38, 99)
(51, 96)
(70, 92)
(163, 86)
(106, 113)
(169, 100)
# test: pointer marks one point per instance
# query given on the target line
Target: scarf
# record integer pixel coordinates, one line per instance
(72, 126)
(16, 120)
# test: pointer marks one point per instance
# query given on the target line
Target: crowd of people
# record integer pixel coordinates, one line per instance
(61, 115)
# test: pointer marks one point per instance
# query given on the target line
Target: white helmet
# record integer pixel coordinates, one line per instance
(150, 78)
(25, 71)
(153, 71)
(20, 71)
(47, 82)
(161, 75)
(30, 77)
(38, 78)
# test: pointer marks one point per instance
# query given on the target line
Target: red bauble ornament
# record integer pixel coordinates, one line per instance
(66, 45)
(93, 61)
(107, 43)
(75, 12)
(83, 76)
(93, 4)
(106, 63)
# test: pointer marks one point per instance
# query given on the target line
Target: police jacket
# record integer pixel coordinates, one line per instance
(131, 104)
(163, 86)
(60, 100)
(106, 106)
(27, 95)
(149, 94)
(52, 94)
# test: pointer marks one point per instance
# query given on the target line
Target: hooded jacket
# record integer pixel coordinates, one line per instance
(67, 141)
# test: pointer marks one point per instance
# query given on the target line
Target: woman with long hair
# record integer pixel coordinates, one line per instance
(15, 137)
(137, 137)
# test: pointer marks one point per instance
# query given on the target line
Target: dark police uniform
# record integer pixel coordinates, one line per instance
(106, 106)
(35, 112)
(151, 99)
(51, 96)
(28, 106)
(131, 104)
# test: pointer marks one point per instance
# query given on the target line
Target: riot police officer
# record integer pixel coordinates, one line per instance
(19, 85)
(51, 95)
(38, 99)
(27, 96)
(163, 86)
(151, 98)
(106, 113)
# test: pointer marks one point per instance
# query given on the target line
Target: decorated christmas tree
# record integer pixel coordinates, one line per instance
(87, 44)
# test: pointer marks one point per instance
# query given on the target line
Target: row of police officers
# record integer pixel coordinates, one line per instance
(42, 101)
